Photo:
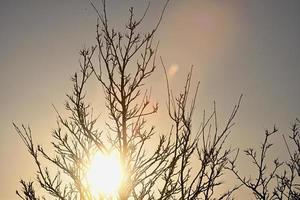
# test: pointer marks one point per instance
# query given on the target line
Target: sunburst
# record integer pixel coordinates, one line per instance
(104, 174)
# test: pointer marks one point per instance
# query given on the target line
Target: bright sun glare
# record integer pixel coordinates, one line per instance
(104, 175)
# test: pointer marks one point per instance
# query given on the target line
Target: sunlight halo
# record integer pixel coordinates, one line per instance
(104, 174)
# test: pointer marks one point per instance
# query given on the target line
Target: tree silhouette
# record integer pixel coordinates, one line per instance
(288, 185)
(188, 162)
(280, 181)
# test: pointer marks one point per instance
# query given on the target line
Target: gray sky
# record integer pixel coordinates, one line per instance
(236, 46)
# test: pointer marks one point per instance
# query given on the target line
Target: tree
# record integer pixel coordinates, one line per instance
(288, 182)
(280, 181)
(125, 60)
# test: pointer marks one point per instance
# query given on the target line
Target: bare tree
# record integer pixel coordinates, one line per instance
(188, 162)
(259, 185)
(281, 181)
(288, 186)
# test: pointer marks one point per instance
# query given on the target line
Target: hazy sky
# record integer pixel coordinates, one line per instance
(237, 46)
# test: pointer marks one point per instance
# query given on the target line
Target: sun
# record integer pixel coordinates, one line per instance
(104, 174)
